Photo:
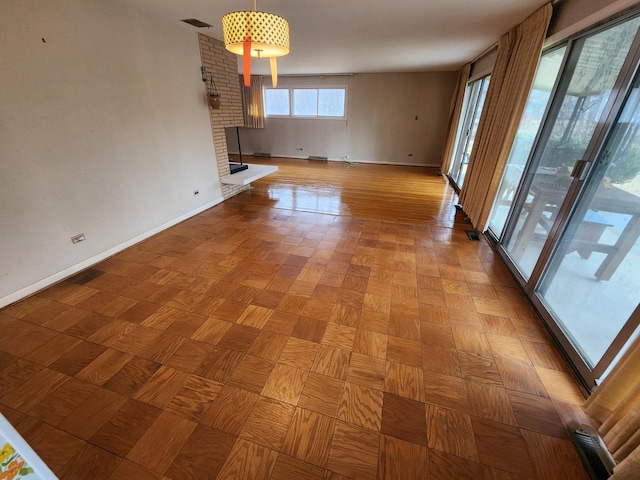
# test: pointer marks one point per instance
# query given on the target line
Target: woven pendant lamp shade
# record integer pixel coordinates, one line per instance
(269, 33)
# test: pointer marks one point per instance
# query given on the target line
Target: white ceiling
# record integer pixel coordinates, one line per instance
(355, 36)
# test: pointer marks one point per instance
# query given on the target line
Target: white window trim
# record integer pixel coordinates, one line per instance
(291, 88)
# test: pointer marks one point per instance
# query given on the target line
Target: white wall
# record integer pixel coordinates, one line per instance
(103, 130)
(381, 125)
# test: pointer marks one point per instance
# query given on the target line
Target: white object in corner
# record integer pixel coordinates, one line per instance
(9, 435)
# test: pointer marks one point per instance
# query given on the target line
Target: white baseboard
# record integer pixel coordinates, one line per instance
(68, 272)
(377, 162)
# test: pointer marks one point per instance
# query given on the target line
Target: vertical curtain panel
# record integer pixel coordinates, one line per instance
(455, 113)
(518, 54)
(253, 107)
(616, 405)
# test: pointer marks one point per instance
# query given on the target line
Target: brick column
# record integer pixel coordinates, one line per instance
(223, 64)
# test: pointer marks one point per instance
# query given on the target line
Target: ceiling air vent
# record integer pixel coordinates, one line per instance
(196, 23)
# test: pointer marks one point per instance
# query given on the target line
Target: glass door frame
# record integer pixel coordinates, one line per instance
(606, 122)
(470, 109)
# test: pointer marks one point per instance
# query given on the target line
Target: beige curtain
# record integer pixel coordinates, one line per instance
(252, 102)
(616, 405)
(457, 102)
(511, 79)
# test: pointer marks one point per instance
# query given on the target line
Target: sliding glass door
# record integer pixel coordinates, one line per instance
(568, 223)
(592, 284)
(474, 101)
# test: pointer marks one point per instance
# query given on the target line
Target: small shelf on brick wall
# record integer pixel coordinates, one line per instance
(251, 174)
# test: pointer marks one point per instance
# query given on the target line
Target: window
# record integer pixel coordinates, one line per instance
(276, 101)
(305, 102)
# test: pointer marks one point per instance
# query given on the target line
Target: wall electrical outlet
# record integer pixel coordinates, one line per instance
(196, 193)
(78, 238)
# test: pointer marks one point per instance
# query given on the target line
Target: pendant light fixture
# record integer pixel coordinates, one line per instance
(256, 34)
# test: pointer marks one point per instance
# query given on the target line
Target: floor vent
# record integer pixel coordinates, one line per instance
(473, 235)
(317, 157)
(262, 154)
(593, 454)
(196, 23)
(85, 276)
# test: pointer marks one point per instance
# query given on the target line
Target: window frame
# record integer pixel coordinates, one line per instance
(291, 89)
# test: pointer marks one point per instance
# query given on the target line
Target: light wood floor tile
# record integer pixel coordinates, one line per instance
(255, 316)
(367, 371)
(162, 442)
(404, 381)
(309, 437)
(268, 345)
(501, 446)
(560, 385)
(361, 406)
(445, 391)
(451, 432)
(268, 423)
(132, 376)
(105, 366)
(374, 322)
(219, 364)
(321, 394)
(441, 360)
(189, 356)
(194, 398)
(160, 389)
(400, 459)
(230, 409)
(285, 383)
(543, 355)
(471, 340)
(407, 352)
(507, 347)
(433, 334)
(479, 368)
(339, 336)
(251, 374)
(537, 414)
(299, 353)
(332, 361)
(551, 454)
(371, 343)
(498, 325)
(248, 460)
(212, 331)
(490, 402)
(520, 377)
(354, 451)
(136, 340)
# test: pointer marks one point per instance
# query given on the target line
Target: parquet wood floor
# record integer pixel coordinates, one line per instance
(332, 322)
